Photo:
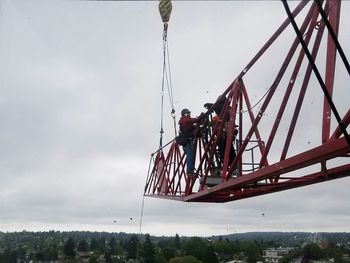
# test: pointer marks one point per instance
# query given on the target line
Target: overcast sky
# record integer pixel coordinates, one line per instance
(80, 97)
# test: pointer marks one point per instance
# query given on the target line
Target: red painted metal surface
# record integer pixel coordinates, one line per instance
(286, 160)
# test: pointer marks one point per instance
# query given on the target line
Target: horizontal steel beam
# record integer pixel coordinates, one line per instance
(326, 151)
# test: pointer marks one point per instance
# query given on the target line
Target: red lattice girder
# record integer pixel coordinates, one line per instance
(267, 156)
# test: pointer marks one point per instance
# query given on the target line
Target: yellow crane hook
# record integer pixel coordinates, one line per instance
(165, 8)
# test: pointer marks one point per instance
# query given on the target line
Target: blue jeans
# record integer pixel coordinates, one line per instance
(189, 157)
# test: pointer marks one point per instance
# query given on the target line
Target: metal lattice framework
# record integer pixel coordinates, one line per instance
(266, 160)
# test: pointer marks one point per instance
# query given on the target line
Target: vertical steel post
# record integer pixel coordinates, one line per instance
(334, 14)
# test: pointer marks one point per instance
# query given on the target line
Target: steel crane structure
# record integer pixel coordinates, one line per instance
(270, 152)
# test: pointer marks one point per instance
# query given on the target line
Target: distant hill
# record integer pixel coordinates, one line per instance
(268, 235)
(286, 238)
(283, 238)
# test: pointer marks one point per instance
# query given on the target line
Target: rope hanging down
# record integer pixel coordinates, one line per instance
(165, 11)
(165, 8)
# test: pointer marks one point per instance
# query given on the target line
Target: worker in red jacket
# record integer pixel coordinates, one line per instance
(187, 129)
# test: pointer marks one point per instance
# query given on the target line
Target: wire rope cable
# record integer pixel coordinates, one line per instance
(166, 81)
(252, 107)
(170, 90)
(141, 215)
(162, 90)
(168, 77)
(144, 191)
(143, 199)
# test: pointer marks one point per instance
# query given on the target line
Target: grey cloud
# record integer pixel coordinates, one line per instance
(80, 112)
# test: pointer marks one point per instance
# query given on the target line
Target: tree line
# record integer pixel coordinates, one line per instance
(121, 247)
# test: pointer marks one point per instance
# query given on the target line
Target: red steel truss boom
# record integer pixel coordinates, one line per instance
(271, 154)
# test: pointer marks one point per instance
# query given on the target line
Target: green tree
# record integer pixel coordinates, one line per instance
(51, 252)
(196, 247)
(293, 254)
(313, 251)
(132, 247)
(113, 245)
(148, 250)
(12, 258)
(108, 257)
(9, 256)
(168, 247)
(224, 248)
(21, 253)
(168, 252)
(210, 256)
(252, 250)
(336, 253)
(82, 246)
(177, 242)
(102, 245)
(93, 244)
(39, 256)
(68, 248)
(159, 256)
(185, 259)
(94, 256)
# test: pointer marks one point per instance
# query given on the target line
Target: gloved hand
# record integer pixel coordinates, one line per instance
(201, 116)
